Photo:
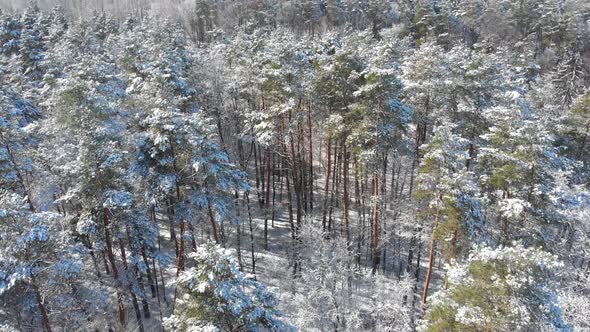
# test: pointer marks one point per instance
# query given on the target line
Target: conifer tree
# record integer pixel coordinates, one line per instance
(216, 295)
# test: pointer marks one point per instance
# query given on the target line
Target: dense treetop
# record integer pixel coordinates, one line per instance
(380, 165)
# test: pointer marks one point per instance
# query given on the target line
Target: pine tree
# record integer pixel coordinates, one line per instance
(518, 165)
(578, 126)
(216, 295)
(31, 47)
(15, 160)
(569, 77)
(443, 185)
(508, 288)
(10, 30)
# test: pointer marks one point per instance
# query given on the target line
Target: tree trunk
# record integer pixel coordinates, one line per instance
(193, 240)
(41, 305)
(239, 233)
(274, 192)
(180, 262)
(138, 276)
(267, 198)
(421, 131)
(302, 169)
(257, 171)
(383, 205)
(345, 199)
(262, 164)
(157, 293)
(162, 277)
(327, 183)
(247, 197)
(151, 274)
(20, 178)
(130, 288)
(213, 222)
(297, 182)
(332, 192)
(310, 157)
(375, 224)
(170, 213)
(431, 257)
(111, 257)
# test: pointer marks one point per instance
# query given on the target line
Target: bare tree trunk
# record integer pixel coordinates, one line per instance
(430, 257)
(309, 124)
(327, 183)
(239, 233)
(332, 192)
(94, 262)
(41, 305)
(392, 187)
(162, 277)
(170, 213)
(338, 177)
(247, 197)
(281, 176)
(111, 257)
(158, 293)
(213, 222)
(151, 273)
(345, 198)
(302, 169)
(296, 160)
(274, 192)
(417, 271)
(375, 224)
(130, 288)
(138, 276)
(267, 198)
(357, 192)
(104, 260)
(20, 178)
(257, 171)
(180, 261)
(287, 179)
(421, 131)
(359, 204)
(262, 164)
(383, 205)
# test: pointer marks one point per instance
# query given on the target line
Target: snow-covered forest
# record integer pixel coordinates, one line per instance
(310, 165)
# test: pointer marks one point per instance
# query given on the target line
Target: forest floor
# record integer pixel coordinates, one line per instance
(273, 266)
